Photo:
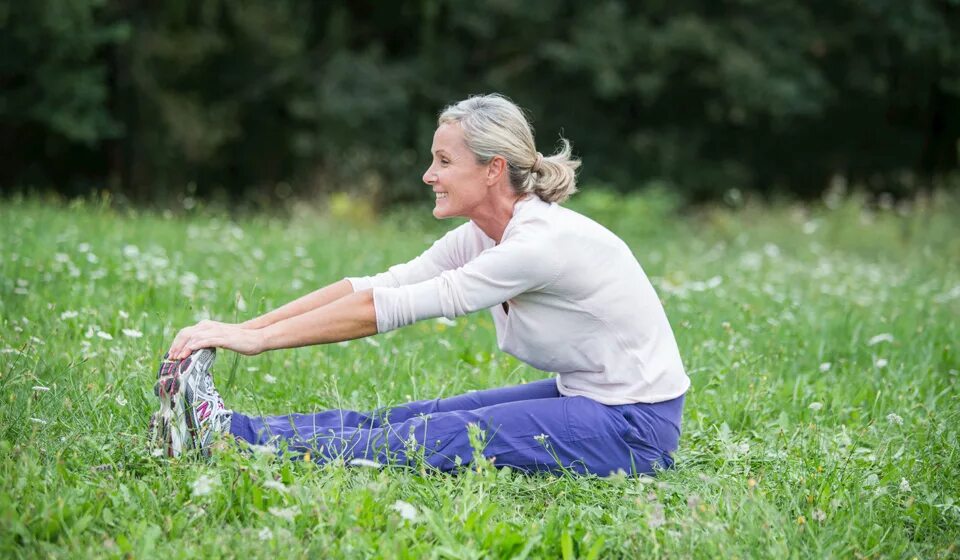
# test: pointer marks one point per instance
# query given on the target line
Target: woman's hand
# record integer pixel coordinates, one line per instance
(209, 334)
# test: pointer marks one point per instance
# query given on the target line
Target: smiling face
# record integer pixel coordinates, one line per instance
(460, 184)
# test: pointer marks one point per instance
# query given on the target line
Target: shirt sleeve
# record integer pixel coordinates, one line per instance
(494, 276)
(454, 249)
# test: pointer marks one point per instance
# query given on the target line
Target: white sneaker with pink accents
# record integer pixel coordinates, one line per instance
(192, 413)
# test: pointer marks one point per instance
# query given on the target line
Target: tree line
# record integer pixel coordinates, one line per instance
(266, 98)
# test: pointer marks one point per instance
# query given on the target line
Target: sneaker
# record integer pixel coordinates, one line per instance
(191, 412)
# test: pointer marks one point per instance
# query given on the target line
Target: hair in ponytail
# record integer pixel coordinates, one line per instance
(493, 125)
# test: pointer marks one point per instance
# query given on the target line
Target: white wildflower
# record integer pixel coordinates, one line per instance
(265, 534)
(819, 515)
(880, 363)
(40, 421)
(904, 485)
(657, 517)
(204, 485)
(241, 303)
(68, 314)
(825, 367)
(275, 485)
(895, 419)
(871, 480)
(406, 511)
(364, 463)
(40, 388)
(83, 247)
(131, 251)
(815, 406)
(289, 513)
(884, 337)
(105, 335)
(123, 314)
(132, 333)
(269, 379)
(120, 400)
(158, 452)
(263, 449)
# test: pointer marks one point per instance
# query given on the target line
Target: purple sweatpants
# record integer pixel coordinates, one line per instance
(529, 427)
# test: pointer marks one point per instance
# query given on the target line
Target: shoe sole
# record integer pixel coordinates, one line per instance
(175, 424)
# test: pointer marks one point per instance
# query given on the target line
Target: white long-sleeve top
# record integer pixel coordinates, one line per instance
(579, 304)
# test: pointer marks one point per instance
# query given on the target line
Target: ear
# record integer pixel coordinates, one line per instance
(496, 170)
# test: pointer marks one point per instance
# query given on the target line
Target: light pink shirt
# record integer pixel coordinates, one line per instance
(580, 305)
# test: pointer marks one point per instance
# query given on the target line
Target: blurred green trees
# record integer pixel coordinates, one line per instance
(265, 97)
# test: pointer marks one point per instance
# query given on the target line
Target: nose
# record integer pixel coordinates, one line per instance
(429, 177)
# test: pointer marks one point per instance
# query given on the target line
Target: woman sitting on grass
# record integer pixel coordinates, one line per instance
(566, 294)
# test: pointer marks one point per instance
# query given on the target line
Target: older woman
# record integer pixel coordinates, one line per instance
(567, 296)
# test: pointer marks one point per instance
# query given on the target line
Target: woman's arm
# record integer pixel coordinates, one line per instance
(349, 317)
(299, 306)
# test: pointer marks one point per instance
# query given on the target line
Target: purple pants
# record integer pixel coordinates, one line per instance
(529, 427)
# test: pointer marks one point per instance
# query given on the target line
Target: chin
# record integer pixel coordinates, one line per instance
(441, 213)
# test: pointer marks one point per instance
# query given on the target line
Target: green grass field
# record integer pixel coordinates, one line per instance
(822, 343)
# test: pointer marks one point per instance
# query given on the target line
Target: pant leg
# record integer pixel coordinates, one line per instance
(530, 435)
(542, 389)
(337, 419)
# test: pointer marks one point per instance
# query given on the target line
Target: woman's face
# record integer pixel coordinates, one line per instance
(458, 181)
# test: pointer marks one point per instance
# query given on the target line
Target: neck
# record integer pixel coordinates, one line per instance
(492, 219)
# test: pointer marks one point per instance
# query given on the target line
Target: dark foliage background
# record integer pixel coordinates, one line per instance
(266, 98)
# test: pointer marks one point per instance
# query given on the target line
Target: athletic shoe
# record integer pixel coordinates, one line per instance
(168, 384)
(191, 412)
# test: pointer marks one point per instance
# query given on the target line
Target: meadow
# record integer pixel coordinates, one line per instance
(821, 341)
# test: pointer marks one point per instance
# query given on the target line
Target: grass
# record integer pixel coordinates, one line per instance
(822, 421)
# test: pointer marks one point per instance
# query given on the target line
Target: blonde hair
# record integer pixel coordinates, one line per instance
(493, 125)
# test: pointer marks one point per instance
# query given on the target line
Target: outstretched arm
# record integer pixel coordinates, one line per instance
(299, 306)
(346, 318)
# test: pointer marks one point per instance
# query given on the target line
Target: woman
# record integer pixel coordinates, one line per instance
(567, 296)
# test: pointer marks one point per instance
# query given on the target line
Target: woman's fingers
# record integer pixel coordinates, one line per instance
(177, 346)
(212, 334)
(194, 341)
(205, 335)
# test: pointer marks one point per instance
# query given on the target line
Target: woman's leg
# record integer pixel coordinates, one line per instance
(337, 419)
(542, 389)
(551, 434)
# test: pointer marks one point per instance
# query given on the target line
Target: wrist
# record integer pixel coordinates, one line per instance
(267, 338)
(253, 324)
